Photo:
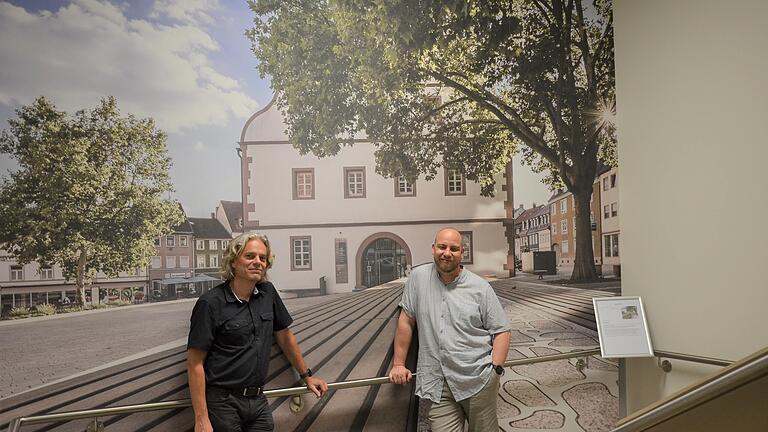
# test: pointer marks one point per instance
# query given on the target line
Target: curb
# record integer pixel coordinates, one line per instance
(4, 323)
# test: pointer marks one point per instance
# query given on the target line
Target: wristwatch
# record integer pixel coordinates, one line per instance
(308, 373)
(498, 369)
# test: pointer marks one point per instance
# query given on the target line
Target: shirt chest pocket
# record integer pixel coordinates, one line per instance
(237, 332)
(267, 320)
(469, 314)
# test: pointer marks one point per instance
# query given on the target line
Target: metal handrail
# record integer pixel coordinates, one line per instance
(16, 423)
(739, 373)
(692, 358)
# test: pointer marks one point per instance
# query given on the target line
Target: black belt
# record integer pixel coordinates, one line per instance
(244, 392)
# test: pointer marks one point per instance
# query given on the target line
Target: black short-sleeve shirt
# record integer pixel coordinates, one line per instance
(237, 335)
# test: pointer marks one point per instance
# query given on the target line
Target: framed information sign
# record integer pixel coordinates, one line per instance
(622, 327)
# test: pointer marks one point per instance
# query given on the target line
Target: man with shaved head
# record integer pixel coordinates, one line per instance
(463, 339)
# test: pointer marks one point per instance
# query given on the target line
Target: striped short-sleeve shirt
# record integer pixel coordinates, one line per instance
(456, 323)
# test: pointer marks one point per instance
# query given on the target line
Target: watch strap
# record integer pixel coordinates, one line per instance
(308, 373)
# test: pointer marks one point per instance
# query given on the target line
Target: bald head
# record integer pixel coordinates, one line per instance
(448, 234)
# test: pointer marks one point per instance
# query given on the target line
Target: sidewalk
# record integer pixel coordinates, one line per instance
(555, 395)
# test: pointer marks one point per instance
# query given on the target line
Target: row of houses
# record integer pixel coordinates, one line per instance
(552, 226)
(185, 263)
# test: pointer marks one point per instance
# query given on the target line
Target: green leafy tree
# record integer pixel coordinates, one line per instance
(463, 84)
(88, 191)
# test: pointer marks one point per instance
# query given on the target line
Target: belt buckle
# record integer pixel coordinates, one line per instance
(251, 391)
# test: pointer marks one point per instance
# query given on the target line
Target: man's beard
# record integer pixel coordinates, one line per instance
(446, 266)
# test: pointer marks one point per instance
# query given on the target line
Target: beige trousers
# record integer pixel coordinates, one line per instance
(478, 410)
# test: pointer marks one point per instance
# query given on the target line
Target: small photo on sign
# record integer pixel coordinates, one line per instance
(629, 312)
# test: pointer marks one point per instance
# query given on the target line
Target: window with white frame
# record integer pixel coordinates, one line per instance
(611, 248)
(170, 262)
(200, 244)
(466, 242)
(155, 263)
(184, 261)
(46, 273)
(455, 183)
(170, 241)
(564, 226)
(224, 244)
(17, 273)
(201, 261)
(563, 205)
(564, 247)
(605, 183)
(606, 211)
(354, 182)
(213, 245)
(614, 209)
(214, 260)
(301, 253)
(554, 228)
(183, 241)
(553, 209)
(303, 183)
(403, 187)
(613, 180)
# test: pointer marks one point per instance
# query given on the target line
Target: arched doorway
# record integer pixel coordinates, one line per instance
(382, 257)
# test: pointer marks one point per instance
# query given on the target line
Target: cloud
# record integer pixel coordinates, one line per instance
(197, 12)
(90, 49)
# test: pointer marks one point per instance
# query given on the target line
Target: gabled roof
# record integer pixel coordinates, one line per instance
(532, 213)
(208, 228)
(184, 227)
(233, 210)
(558, 194)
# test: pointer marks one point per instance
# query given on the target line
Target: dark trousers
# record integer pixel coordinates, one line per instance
(231, 413)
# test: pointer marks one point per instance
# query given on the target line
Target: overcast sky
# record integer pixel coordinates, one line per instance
(185, 63)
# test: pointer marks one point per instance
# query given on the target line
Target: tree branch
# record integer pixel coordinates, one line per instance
(515, 124)
(583, 44)
(441, 107)
(453, 126)
(604, 39)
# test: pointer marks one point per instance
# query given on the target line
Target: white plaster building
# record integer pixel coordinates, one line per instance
(336, 218)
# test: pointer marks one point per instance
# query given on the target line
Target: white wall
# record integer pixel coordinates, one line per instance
(691, 111)
(271, 188)
(488, 239)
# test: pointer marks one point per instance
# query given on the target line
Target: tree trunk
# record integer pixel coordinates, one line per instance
(511, 228)
(80, 277)
(584, 263)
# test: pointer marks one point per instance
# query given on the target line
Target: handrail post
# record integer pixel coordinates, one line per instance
(15, 424)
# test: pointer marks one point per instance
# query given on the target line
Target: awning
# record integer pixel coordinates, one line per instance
(193, 279)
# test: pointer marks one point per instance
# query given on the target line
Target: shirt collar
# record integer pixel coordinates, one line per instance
(459, 277)
(231, 297)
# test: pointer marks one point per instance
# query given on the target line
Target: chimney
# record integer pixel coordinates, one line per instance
(213, 215)
(521, 207)
(533, 205)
